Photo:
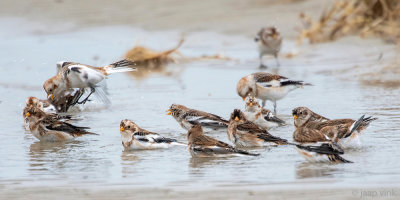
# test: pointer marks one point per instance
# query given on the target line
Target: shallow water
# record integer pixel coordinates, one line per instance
(204, 85)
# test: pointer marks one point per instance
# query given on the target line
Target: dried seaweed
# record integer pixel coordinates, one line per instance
(145, 57)
(363, 17)
(149, 61)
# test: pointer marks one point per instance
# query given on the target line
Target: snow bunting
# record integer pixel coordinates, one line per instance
(201, 145)
(186, 117)
(244, 133)
(269, 42)
(46, 128)
(134, 137)
(260, 116)
(75, 75)
(266, 86)
(338, 130)
(322, 152)
(43, 105)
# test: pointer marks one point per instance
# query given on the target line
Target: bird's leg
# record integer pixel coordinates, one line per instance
(77, 96)
(275, 108)
(263, 103)
(277, 60)
(92, 90)
(262, 66)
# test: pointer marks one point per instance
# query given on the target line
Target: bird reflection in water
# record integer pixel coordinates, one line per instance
(315, 170)
(51, 156)
(128, 160)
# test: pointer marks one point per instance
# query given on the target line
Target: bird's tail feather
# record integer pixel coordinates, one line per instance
(120, 66)
(291, 82)
(110, 70)
(123, 63)
(361, 123)
(338, 158)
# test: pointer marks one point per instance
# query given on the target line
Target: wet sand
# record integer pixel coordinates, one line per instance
(274, 192)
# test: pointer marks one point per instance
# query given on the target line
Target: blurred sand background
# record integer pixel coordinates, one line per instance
(233, 17)
(226, 16)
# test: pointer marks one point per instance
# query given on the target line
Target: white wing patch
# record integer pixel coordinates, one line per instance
(81, 76)
(273, 83)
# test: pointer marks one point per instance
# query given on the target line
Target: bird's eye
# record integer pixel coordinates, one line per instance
(301, 113)
(50, 90)
(128, 127)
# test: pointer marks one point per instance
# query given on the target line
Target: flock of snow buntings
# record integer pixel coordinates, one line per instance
(317, 138)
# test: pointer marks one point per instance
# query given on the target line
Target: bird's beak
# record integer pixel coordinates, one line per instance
(51, 96)
(244, 98)
(28, 114)
(121, 128)
(294, 117)
(236, 118)
(274, 36)
(251, 104)
(169, 112)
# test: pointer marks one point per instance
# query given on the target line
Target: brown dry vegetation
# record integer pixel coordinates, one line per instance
(148, 61)
(143, 56)
(364, 17)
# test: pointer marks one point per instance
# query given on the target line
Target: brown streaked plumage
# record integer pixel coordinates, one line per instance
(186, 117)
(201, 145)
(311, 129)
(263, 77)
(33, 102)
(244, 133)
(314, 116)
(47, 128)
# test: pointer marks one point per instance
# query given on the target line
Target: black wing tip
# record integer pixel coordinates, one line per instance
(90, 133)
(281, 141)
(246, 153)
(123, 63)
(340, 159)
(369, 119)
(165, 140)
(275, 119)
(75, 69)
(291, 82)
